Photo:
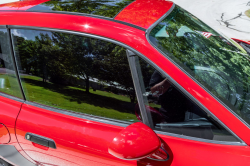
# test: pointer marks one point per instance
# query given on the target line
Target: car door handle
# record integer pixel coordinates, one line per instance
(40, 140)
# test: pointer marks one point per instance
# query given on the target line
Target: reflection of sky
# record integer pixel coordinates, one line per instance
(2, 81)
(28, 34)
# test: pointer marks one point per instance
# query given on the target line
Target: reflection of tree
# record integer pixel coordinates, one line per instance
(108, 8)
(58, 57)
(193, 51)
(5, 58)
(114, 69)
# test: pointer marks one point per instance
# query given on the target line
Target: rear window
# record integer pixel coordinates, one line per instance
(218, 63)
(106, 8)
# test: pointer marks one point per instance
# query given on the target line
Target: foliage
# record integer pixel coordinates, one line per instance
(214, 61)
(107, 8)
(247, 13)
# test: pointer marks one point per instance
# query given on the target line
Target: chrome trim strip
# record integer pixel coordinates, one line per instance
(151, 63)
(134, 73)
(81, 115)
(3, 27)
(12, 97)
(11, 154)
(183, 90)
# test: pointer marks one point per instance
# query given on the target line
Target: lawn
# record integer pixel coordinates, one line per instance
(99, 103)
(9, 85)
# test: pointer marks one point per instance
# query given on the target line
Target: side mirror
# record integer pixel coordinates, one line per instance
(136, 141)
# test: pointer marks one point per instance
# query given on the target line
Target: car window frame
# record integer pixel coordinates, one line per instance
(138, 92)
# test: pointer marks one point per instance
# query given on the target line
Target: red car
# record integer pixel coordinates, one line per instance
(119, 82)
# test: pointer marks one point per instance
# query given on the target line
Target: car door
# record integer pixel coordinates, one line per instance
(11, 96)
(11, 99)
(79, 95)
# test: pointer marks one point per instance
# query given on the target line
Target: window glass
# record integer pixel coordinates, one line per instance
(8, 80)
(171, 111)
(106, 8)
(75, 73)
(218, 63)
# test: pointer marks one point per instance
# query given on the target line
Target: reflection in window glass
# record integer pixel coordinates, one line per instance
(106, 8)
(172, 111)
(219, 64)
(75, 73)
(8, 80)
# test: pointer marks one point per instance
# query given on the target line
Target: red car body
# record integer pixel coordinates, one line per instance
(86, 142)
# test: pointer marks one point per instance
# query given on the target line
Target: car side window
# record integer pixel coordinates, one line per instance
(172, 111)
(8, 80)
(75, 73)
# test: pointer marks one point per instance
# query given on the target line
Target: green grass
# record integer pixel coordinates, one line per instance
(10, 85)
(247, 13)
(99, 103)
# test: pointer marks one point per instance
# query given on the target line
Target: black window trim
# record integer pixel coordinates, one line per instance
(15, 69)
(124, 124)
(203, 87)
(146, 117)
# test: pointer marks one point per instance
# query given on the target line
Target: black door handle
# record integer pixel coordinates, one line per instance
(40, 140)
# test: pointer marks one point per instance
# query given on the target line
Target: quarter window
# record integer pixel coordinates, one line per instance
(75, 73)
(8, 80)
(172, 111)
(219, 64)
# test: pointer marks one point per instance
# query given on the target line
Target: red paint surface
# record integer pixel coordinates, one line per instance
(77, 140)
(9, 111)
(91, 139)
(21, 5)
(193, 153)
(144, 13)
(239, 40)
(133, 142)
(4, 135)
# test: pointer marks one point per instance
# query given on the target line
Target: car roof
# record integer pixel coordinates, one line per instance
(141, 13)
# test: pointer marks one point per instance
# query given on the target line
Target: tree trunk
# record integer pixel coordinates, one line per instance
(131, 96)
(87, 84)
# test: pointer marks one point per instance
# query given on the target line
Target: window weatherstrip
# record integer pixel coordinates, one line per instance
(202, 139)
(123, 124)
(216, 98)
(145, 116)
(11, 97)
(14, 62)
(3, 27)
(81, 115)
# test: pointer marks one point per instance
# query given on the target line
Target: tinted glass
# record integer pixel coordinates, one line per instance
(107, 8)
(75, 73)
(172, 111)
(219, 64)
(8, 79)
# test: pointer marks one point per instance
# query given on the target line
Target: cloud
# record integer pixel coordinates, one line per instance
(16, 32)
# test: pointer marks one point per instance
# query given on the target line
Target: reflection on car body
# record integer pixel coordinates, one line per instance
(119, 82)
